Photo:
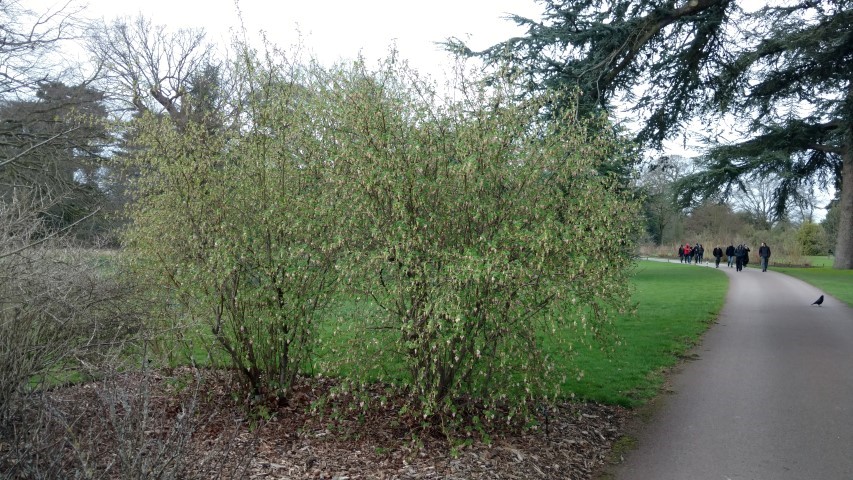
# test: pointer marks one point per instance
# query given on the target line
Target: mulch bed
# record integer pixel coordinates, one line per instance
(310, 437)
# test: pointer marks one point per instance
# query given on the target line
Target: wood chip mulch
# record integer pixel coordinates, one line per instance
(199, 429)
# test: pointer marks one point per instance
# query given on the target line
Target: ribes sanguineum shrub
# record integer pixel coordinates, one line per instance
(475, 228)
(470, 233)
(238, 226)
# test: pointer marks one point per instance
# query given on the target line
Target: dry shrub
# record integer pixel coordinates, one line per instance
(59, 313)
(60, 317)
(76, 401)
(141, 424)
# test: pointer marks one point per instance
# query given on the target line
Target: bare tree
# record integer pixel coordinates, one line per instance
(51, 134)
(804, 205)
(755, 197)
(27, 41)
(658, 186)
(149, 68)
(758, 196)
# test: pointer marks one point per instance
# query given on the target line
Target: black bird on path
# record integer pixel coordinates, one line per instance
(819, 301)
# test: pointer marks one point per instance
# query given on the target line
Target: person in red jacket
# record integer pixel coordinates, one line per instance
(688, 253)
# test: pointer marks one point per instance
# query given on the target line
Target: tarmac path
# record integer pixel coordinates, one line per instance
(769, 395)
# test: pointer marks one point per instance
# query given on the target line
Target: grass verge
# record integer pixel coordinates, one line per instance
(675, 305)
(838, 283)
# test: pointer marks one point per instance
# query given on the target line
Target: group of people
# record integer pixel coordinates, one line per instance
(691, 254)
(737, 256)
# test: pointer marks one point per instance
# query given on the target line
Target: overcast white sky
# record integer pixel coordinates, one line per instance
(341, 29)
(335, 29)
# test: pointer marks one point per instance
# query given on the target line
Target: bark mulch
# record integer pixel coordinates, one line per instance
(200, 429)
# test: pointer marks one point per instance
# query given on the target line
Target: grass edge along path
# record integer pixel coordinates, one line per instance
(835, 282)
(676, 304)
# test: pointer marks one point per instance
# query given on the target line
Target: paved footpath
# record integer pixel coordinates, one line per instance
(769, 397)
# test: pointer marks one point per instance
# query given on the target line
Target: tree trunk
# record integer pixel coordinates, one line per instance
(844, 243)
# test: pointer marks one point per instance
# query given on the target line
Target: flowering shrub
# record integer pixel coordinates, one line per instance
(468, 229)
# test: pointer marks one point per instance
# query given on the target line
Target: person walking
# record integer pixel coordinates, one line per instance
(681, 254)
(718, 254)
(688, 253)
(700, 253)
(730, 253)
(764, 255)
(739, 254)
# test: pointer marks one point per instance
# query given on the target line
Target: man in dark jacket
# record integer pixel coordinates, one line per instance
(764, 255)
(718, 253)
(740, 252)
(730, 252)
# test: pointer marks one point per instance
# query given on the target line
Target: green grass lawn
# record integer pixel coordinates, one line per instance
(818, 260)
(675, 305)
(838, 283)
